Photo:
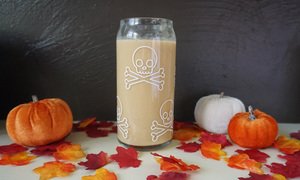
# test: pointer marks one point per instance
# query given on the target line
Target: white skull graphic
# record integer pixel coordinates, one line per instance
(144, 59)
(166, 112)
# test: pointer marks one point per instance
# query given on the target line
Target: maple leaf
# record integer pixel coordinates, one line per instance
(68, 152)
(86, 122)
(54, 169)
(47, 150)
(287, 145)
(255, 154)
(12, 149)
(182, 125)
(216, 138)
(168, 176)
(173, 164)
(295, 135)
(189, 147)
(105, 124)
(94, 132)
(212, 150)
(291, 170)
(186, 134)
(95, 161)
(291, 158)
(126, 157)
(18, 159)
(254, 176)
(101, 174)
(242, 161)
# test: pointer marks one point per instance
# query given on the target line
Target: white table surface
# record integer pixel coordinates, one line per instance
(209, 169)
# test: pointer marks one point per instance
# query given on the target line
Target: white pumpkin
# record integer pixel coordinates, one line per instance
(214, 112)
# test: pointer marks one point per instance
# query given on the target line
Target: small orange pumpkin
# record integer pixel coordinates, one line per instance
(253, 129)
(39, 122)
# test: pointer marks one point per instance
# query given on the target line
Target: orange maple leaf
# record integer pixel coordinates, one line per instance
(54, 169)
(68, 152)
(18, 159)
(212, 150)
(186, 134)
(173, 164)
(242, 161)
(84, 123)
(101, 174)
(287, 145)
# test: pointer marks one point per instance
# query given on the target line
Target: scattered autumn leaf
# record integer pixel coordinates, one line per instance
(18, 159)
(255, 154)
(291, 158)
(254, 176)
(105, 124)
(291, 170)
(47, 150)
(95, 161)
(216, 138)
(12, 149)
(242, 161)
(94, 132)
(186, 134)
(182, 125)
(212, 150)
(101, 174)
(287, 145)
(169, 176)
(126, 157)
(68, 152)
(295, 135)
(54, 169)
(189, 147)
(86, 122)
(173, 164)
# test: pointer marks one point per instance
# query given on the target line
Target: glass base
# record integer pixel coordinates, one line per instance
(147, 148)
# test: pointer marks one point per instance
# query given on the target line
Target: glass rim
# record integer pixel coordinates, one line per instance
(146, 21)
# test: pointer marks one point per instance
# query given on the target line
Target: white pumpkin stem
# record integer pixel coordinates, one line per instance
(34, 98)
(221, 94)
(251, 113)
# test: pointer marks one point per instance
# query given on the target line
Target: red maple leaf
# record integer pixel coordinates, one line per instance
(95, 161)
(255, 154)
(291, 158)
(47, 150)
(290, 170)
(12, 149)
(126, 157)
(189, 147)
(105, 124)
(216, 138)
(169, 175)
(295, 135)
(254, 176)
(94, 132)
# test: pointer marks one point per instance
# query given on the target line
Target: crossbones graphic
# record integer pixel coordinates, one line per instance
(144, 68)
(121, 122)
(166, 115)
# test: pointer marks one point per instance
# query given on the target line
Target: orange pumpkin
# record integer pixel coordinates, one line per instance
(39, 122)
(253, 129)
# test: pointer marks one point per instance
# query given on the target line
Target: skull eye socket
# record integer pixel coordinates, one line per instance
(165, 115)
(139, 62)
(149, 63)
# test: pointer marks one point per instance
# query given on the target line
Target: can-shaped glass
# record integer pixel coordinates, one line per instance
(146, 53)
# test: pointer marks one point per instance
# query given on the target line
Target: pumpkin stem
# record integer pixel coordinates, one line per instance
(251, 113)
(221, 94)
(34, 98)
